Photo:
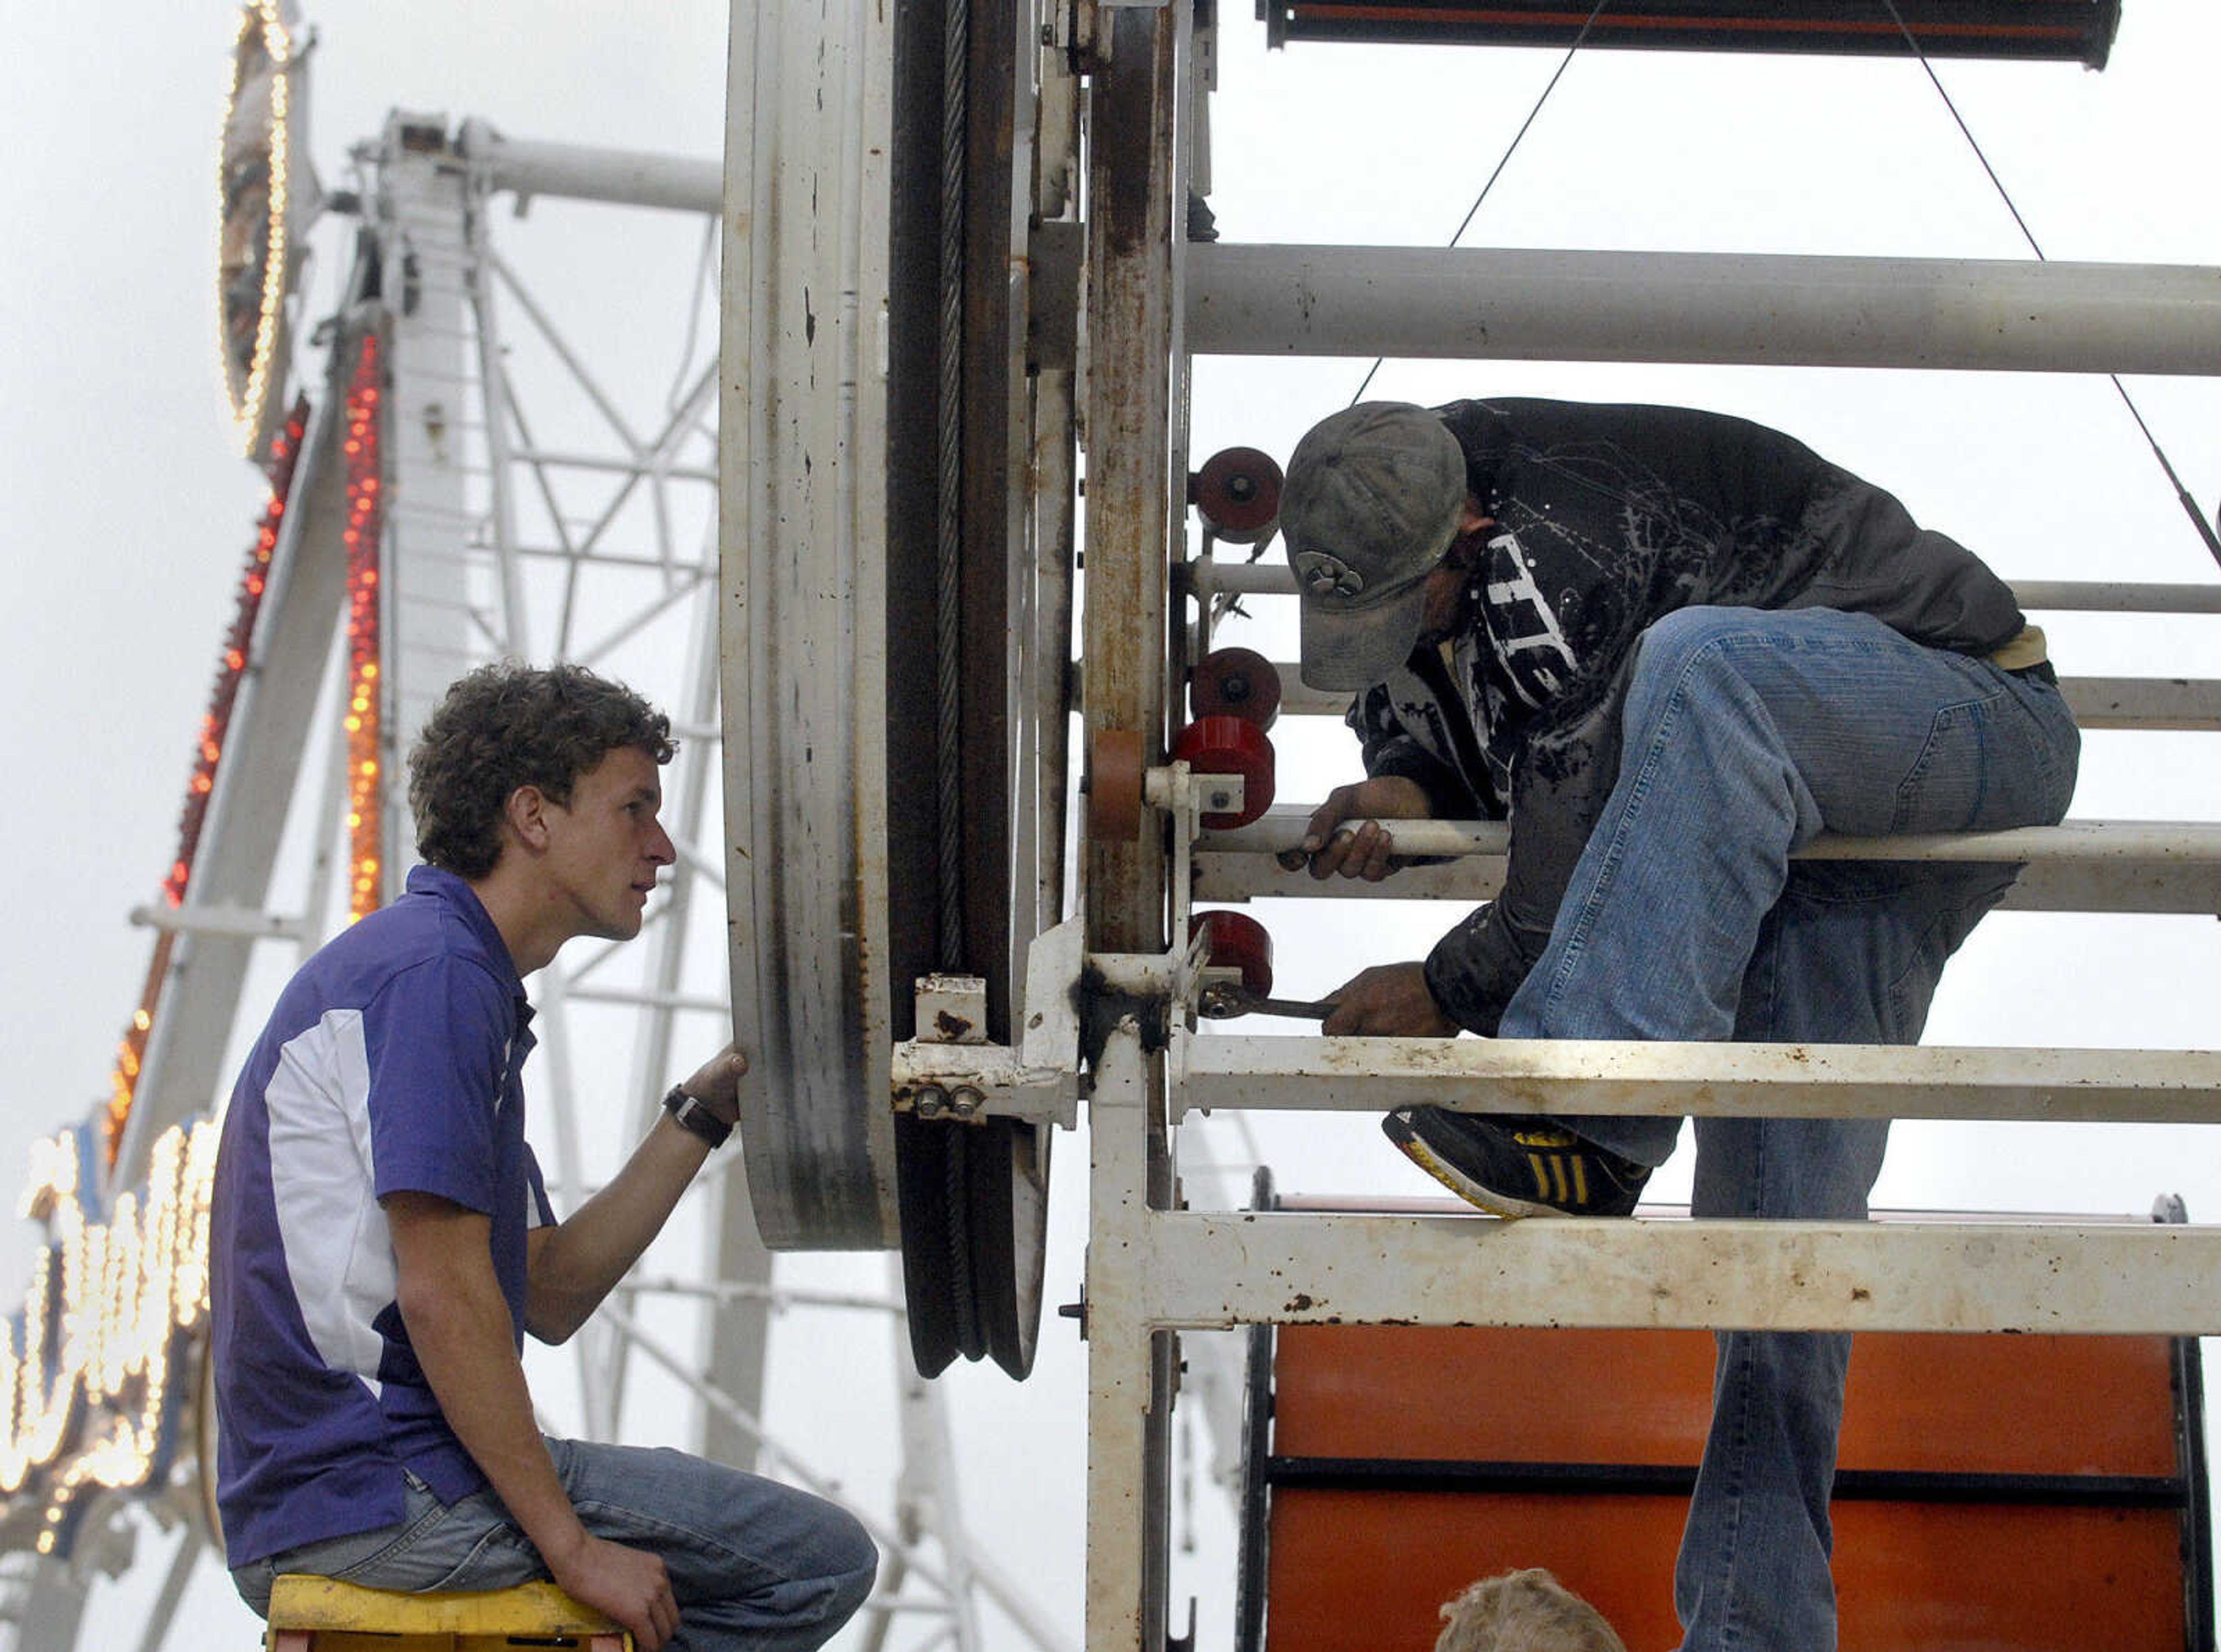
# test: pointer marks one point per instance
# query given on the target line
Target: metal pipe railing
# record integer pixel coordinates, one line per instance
(1515, 304)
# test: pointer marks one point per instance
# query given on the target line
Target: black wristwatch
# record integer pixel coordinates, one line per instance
(693, 1114)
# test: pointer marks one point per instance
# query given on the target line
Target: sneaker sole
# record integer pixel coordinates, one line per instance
(1409, 1143)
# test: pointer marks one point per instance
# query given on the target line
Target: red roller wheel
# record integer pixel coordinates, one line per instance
(1238, 941)
(1237, 494)
(1115, 772)
(1230, 746)
(1236, 683)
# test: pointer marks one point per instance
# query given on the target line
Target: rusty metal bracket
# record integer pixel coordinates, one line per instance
(950, 1071)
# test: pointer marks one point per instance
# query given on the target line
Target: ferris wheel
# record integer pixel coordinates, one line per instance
(465, 461)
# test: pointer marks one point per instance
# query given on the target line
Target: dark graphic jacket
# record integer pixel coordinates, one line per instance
(1609, 517)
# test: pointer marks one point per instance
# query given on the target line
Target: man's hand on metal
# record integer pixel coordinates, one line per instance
(1388, 1001)
(716, 1082)
(1368, 849)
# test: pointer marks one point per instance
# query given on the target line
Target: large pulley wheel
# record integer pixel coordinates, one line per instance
(975, 1211)
(899, 621)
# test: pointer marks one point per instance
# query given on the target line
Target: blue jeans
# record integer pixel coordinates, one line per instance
(753, 1563)
(1745, 734)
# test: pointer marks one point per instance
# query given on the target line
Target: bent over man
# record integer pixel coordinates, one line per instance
(382, 1240)
(1672, 647)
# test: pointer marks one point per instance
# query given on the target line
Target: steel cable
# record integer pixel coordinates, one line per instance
(1504, 160)
(949, 518)
(949, 639)
(2189, 505)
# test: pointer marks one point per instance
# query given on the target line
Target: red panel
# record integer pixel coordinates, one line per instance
(1423, 1392)
(1366, 1572)
(2011, 1405)
(1986, 1404)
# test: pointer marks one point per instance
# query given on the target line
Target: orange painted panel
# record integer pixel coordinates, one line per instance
(1366, 1572)
(1988, 1578)
(1417, 1393)
(2011, 1405)
(1933, 1403)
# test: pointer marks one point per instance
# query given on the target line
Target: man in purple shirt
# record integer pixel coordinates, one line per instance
(382, 1240)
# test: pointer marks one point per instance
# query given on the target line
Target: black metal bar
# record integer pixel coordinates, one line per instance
(2078, 31)
(1249, 1575)
(1673, 1480)
(2196, 1515)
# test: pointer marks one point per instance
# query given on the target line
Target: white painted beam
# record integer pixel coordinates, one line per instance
(2127, 1279)
(2148, 703)
(1271, 577)
(1657, 1079)
(1477, 304)
(2046, 886)
(576, 171)
(2158, 841)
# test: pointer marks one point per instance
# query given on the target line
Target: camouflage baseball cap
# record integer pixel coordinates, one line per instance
(1369, 507)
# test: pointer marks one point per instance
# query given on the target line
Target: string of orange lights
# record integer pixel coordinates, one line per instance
(362, 445)
(208, 751)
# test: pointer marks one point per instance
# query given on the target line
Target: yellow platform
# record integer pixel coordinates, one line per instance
(315, 1614)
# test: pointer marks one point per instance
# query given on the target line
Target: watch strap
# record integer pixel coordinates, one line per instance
(691, 1114)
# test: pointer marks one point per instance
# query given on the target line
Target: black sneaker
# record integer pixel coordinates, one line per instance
(1514, 1166)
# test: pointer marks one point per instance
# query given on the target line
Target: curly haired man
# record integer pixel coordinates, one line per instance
(382, 1239)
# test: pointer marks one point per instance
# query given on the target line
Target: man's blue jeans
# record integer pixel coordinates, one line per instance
(1745, 734)
(753, 1564)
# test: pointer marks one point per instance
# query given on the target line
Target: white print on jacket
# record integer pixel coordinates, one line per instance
(1522, 631)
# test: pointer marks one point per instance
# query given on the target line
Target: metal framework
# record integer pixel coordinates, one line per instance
(1155, 1268)
(1123, 300)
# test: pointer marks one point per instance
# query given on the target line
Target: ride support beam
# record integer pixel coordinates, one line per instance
(1128, 1358)
(1212, 1269)
(271, 723)
(1745, 309)
(1669, 1079)
(1133, 326)
(1205, 579)
(575, 172)
(2147, 703)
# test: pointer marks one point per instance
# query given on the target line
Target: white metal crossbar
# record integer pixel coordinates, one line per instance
(1205, 577)
(1216, 1270)
(1373, 1075)
(2085, 866)
(2148, 703)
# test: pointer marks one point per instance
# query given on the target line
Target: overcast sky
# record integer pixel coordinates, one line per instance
(128, 515)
